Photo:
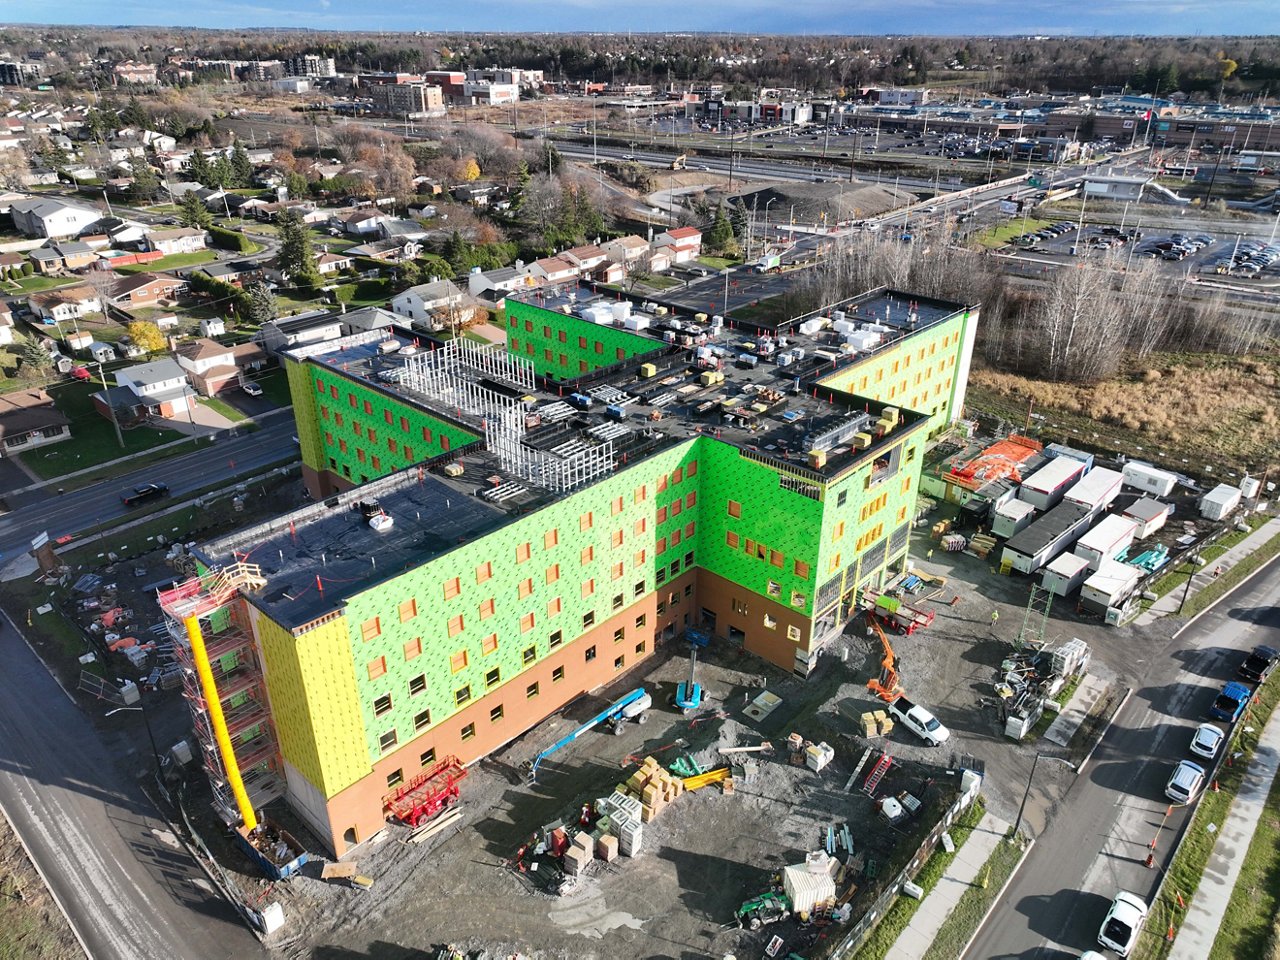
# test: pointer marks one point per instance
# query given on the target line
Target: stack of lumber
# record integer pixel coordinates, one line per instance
(654, 787)
(982, 544)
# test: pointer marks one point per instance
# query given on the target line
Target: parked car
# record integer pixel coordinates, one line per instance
(1230, 703)
(1259, 664)
(920, 722)
(81, 373)
(143, 493)
(1185, 783)
(1206, 741)
(1123, 923)
(252, 389)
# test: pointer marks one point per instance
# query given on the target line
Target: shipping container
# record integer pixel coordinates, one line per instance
(1065, 574)
(1097, 490)
(1051, 535)
(807, 886)
(1220, 501)
(1045, 488)
(1149, 479)
(1107, 539)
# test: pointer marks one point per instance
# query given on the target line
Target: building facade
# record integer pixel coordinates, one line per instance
(498, 530)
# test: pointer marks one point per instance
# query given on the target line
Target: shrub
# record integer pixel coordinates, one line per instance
(230, 240)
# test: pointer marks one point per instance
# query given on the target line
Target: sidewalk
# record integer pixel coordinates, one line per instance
(1171, 602)
(1209, 905)
(962, 873)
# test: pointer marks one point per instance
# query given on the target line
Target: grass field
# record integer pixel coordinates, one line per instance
(172, 262)
(93, 438)
(31, 925)
(34, 284)
(1248, 923)
(1184, 411)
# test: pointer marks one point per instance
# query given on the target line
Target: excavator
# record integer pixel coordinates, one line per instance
(885, 686)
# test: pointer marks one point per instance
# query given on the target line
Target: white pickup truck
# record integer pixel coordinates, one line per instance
(920, 722)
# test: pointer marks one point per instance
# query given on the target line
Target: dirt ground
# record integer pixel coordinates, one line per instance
(31, 925)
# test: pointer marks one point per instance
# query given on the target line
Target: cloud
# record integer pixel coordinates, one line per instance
(324, 4)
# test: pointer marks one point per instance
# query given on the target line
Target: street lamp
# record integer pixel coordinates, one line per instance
(155, 751)
(1039, 756)
(766, 223)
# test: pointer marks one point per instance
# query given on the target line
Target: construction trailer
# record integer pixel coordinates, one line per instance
(1012, 516)
(1065, 574)
(1149, 479)
(1105, 541)
(1061, 450)
(1149, 515)
(1045, 488)
(1097, 490)
(1220, 501)
(1051, 535)
(1110, 586)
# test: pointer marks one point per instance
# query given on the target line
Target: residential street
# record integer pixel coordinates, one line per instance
(1097, 840)
(77, 511)
(130, 888)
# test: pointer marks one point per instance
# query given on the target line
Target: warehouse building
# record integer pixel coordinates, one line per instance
(498, 530)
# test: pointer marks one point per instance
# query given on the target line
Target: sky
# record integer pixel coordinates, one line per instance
(921, 17)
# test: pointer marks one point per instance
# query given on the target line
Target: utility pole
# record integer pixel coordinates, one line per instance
(110, 406)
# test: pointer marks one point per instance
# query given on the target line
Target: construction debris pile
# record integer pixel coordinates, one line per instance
(1028, 679)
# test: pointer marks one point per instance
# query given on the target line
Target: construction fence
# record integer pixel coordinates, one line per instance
(858, 933)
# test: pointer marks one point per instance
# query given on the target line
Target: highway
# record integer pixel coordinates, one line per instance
(1096, 842)
(129, 888)
(78, 511)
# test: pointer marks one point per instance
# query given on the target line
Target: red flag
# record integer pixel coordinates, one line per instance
(1147, 115)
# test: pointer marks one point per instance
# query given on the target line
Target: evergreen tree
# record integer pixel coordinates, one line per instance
(296, 259)
(740, 220)
(96, 124)
(554, 160)
(523, 177)
(458, 252)
(241, 166)
(261, 307)
(133, 115)
(198, 167)
(220, 174)
(32, 355)
(193, 212)
(590, 223)
(145, 182)
(296, 184)
(720, 237)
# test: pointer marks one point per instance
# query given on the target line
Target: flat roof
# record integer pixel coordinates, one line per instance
(1048, 529)
(1054, 474)
(1147, 509)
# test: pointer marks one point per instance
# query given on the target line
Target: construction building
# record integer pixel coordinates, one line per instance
(498, 530)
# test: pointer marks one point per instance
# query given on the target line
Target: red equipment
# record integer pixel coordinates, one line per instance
(428, 793)
(885, 686)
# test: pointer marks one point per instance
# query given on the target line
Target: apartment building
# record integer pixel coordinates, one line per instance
(500, 529)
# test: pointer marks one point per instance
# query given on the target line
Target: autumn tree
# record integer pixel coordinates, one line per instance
(146, 336)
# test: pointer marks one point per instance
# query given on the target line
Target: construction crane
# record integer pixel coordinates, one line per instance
(630, 707)
(885, 686)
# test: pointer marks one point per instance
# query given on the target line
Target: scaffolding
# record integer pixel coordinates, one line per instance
(569, 465)
(1035, 621)
(223, 683)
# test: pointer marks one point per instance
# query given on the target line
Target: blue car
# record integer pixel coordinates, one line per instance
(1230, 703)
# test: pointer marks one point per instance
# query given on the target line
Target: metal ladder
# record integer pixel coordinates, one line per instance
(877, 773)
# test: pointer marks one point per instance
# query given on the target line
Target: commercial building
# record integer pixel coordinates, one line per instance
(498, 530)
(407, 99)
(310, 65)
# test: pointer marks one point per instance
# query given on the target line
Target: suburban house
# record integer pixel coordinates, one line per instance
(29, 419)
(420, 302)
(627, 251)
(403, 230)
(212, 367)
(49, 217)
(660, 260)
(63, 255)
(160, 388)
(477, 194)
(585, 258)
(362, 223)
(311, 327)
(329, 263)
(683, 243)
(12, 261)
(388, 251)
(493, 284)
(177, 240)
(146, 289)
(238, 272)
(610, 273)
(6, 324)
(553, 270)
(69, 303)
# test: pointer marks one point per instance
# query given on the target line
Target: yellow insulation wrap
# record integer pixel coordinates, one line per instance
(214, 706)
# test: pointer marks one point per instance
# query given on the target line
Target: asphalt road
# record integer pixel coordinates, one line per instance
(133, 893)
(1097, 841)
(79, 510)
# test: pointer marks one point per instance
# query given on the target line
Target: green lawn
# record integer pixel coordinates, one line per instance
(224, 408)
(1247, 925)
(1007, 232)
(1187, 868)
(34, 284)
(172, 262)
(962, 922)
(900, 912)
(718, 263)
(93, 438)
(275, 387)
(659, 282)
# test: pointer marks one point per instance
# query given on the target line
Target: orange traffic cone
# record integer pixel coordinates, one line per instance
(1181, 903)
(1215, 786)
(1151, 861)
(1169, 935)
